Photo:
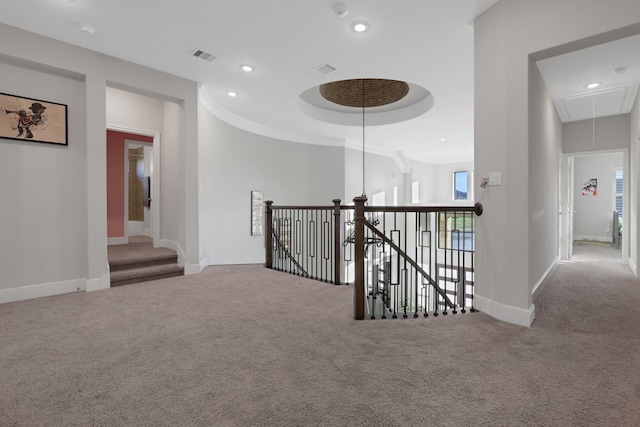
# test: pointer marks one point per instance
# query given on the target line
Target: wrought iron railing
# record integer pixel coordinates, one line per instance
(403, 261)
(304, 240)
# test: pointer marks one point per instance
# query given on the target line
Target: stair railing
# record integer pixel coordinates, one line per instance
(304, 240)
(402, 261)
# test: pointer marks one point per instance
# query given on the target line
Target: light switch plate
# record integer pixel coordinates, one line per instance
(495, 178)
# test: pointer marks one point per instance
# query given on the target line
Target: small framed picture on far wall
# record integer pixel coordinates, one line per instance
(257, 210)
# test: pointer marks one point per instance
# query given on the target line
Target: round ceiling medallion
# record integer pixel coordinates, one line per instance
(370, 92)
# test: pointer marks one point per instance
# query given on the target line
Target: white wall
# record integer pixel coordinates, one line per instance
(545, 140)
(505, 37)
(43, 188)
(593, 214)
(443, 183)
(234, 162)
(379, 171)
(424, 173)
(610, 133)
(80, 169)
(134, 111)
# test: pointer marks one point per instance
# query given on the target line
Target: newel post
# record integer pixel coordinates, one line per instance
(268, 235)
(359, 252)
(337, 254)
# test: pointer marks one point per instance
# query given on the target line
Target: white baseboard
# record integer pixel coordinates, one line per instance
(99, 284)
(42, 290)
(544, 277)
(606, 239)
(117, 240)
(172, 244)
(189, 268)
(194, 268)
(506, 313)
(633, 266)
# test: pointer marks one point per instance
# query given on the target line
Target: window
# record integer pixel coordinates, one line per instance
(460, 185)
(456, 231)
(619, 192)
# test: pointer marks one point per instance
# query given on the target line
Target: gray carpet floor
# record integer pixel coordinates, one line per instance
(247, 346)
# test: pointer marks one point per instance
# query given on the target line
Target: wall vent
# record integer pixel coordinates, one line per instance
(202, 55)
(326, 69)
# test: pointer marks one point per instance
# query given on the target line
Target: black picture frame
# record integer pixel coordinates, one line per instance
(33, 120)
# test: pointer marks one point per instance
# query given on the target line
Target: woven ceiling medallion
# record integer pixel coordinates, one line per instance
(377, 92)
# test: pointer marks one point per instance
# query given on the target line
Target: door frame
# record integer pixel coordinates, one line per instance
(155, 179)
(567, 192)
(130, 143)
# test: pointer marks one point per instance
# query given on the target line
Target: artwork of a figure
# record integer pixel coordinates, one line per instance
(590, 187)
(27, 120)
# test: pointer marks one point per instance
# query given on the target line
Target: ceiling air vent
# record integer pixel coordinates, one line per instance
(326, 69)
(203, 55)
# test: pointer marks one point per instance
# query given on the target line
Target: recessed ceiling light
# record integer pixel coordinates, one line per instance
(232, 93)
(443, 139)
(593, 85)
(246, 67)
(87, 29)
(360, 26)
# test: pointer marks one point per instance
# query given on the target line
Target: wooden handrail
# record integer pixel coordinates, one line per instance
(477, 209)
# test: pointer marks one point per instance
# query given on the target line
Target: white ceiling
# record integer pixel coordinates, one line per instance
(427, 43)
(567, 76)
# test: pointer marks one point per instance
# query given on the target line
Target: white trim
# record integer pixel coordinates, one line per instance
(117, 240)
(633, 266)
(545, 275)
(172, 244)
(100, 284)
(155, 177)
(42, 290)
(605, 239)
(506, 313)
(397, 156)
(189, 268)
(194, 268)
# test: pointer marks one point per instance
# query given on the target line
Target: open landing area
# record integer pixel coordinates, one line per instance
(247, 346)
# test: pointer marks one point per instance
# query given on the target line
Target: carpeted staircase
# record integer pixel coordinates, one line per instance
(139, 261)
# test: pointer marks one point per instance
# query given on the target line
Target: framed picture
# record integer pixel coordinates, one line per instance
(257, 210)
(590, 187)
(27, 119)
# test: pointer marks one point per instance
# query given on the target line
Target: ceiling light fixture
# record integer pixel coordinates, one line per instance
(443, 139)
(232, 93)
(593, 85)
(620, 70)
(360, 26)
(246, 67)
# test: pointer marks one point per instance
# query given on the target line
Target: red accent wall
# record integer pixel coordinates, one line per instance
(115, 179)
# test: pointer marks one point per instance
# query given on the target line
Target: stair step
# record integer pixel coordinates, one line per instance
(142, 274)
(146, 261)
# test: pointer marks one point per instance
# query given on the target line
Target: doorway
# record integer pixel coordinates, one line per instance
(133, 195)
(593, 193)
(139, 164)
